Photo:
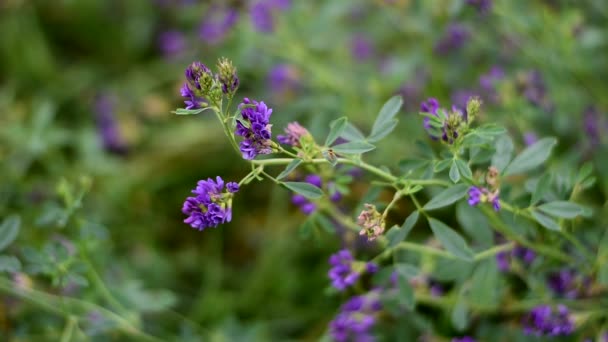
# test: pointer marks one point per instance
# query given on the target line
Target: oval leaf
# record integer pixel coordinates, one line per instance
(454, 173)
(352, 133)
(504, 150)
(545, 220)
(562, 209)
(531, 157)
(400, 233)
(464, 169)
(386, 122)
(451, 240)
(9, 230)
(290, 167)
(9, 263)
(336, 128)
(305, 189)
(353, 147)
(447, 197)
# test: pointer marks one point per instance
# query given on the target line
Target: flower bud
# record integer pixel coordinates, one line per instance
(227, 76)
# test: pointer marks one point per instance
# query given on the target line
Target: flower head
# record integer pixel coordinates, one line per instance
(371, 222)
(107, 126)
(211, 205)
(356, 319)
(227, 76)
(199, 85)
(453, 39)
(345, 270)
(293, 132)
(171, 43)
(217, 23)
(361, 48)
(546, 321)
(255, 128)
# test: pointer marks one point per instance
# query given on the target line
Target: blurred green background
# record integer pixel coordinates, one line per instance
(86, 91)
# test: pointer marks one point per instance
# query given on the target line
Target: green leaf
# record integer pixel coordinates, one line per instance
(407, 270)
(504, 150)
(562, 209)
(490, 130)
(386, 122)
(352, 133)
(307, 227)
(484, 284)
(584, 172)
(602, 260)
(400, 233)
(406, 293)
(451, 240)
(460, 315)
(464, 169)
(305, 189)
(532, 157)
(475, 224)
(336, 128)
(183, 111)
(447, 197)
(454, 173)
(325, 223)
(542, 187)
(9, 263)
(290, 167)
(353, 147)
(9, 229)
(442, 165)
(545, 220)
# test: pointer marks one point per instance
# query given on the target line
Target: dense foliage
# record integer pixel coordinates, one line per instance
(340, 170)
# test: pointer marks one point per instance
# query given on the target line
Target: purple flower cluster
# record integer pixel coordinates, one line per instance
(488, 81)
(307, 207)
(453, 39)
(212, 205)
(171, 43)
(293, 133)
(481, 195)
(262, 12)
(107, 127)
(356, 319)
(283, 79)
(567, 283)
(592, 124)
(451, 120)
(344, 271)
(545, 321)
(361, 48)
(199, 81)
(463, 339)
(216, 24)
(532, 87)
(525, 255)
(482, 6)
(255, 128)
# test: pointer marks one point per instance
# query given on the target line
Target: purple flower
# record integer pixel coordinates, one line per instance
(463, 339)
(530, 138)
(210, 206)
(453, 39)
(475, 194)
(254, 128)
(524, 254)
(545, 321)
(261, 16)
(532, 86)
(199, 82)
(482, 6)
(293, 133)
(171, 43)
(503, 261)
(216, 24)
(430, 106)
(341, 273)
(361, 48)
(460, 98)
(568, 283)
(356, 319)
(592, 125)
(107, 127)
(283, 79)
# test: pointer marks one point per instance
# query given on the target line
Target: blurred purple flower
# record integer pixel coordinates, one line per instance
(482, 6)
(530, 138)
(463, 339)
(107, 127)
(545, 321)
(283, 79)
(461, 97)
(171, 43)
(262, 13)
(293, 133)
(341, 273)
(488, 82)
(454, 38)
(361, 48)
(216, 24)
(532, 86)
(592, 125)
(356, 319)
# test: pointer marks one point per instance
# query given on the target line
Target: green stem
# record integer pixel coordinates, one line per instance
(396, 197)
(55, 304)
(66, 336)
